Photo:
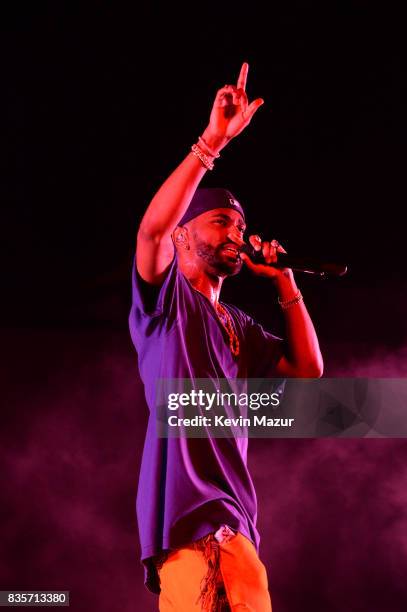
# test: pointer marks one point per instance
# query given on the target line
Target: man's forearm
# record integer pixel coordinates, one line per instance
(303, 358)
(174, 196)
(172, 199)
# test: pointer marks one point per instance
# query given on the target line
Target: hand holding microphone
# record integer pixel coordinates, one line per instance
(261, 256)
(270, 259)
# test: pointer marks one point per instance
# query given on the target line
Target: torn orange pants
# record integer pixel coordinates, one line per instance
(240, 576)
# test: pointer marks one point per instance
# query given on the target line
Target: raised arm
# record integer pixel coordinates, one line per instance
(230, 114)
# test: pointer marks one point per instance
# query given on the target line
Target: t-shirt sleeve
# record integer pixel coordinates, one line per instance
(264, 350)
(150, 301)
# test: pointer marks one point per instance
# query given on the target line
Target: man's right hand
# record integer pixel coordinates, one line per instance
(231, 112)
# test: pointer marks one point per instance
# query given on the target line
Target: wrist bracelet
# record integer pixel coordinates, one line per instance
(208, 149)
(202, 157)
(288, 303)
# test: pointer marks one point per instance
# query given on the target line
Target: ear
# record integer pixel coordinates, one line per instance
(180, 238)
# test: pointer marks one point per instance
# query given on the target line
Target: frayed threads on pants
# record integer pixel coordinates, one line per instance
(213, 595)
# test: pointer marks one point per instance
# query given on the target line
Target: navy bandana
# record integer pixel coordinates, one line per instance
(209, 198)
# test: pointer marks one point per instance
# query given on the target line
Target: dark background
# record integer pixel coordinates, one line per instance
(99, 103)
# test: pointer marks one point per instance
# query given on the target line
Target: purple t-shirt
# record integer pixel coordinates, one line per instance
(188, 487)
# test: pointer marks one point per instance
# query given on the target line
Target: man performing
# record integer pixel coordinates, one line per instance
(196, 504)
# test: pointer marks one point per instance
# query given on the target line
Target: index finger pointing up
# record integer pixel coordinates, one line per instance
(241, 81)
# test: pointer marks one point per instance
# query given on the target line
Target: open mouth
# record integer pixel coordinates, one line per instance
(232, 251)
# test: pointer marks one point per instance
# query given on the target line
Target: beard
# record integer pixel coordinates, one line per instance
(220, 262)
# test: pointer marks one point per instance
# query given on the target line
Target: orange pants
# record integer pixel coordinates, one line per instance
(240, 574)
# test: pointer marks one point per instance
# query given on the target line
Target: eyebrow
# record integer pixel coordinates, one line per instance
(228, 218)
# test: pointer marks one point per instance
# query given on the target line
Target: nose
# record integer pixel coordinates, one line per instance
(236, 237)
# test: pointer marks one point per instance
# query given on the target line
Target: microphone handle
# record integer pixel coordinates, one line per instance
(298, 263)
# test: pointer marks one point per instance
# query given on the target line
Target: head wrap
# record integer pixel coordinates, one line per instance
(209, 198)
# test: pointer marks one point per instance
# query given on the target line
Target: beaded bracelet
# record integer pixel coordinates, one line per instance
(202, 157)
(288, 303)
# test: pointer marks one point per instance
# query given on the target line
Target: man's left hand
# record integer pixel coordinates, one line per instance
(270, 252)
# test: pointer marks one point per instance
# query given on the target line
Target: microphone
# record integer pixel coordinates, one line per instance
(297, 263)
